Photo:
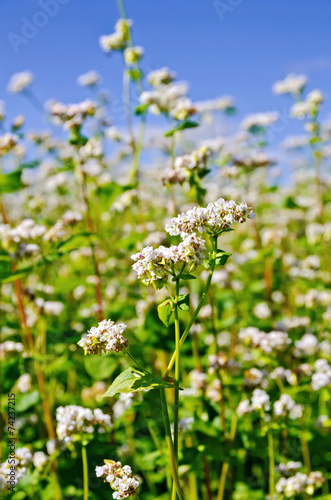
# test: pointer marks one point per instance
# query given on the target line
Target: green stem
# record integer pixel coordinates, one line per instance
(137, 363)
(170, 444)
(271, 454)
(135, 165)
(226, 465)
(85, 471)
(159, 447)
(177, 376)
(196, 312)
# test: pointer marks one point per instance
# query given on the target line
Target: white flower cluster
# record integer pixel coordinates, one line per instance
(213, 219)
(259, 400)
(170, 99)
(292, 142)
(322, 376)
(8, 142)
(50, 307)
(106, 337)
(289, 468)
(315, 232)
(256, 378)
(292, 84)
(118, 39)
(253, 159)
(162, 76)
(314, 298)
(306, 346)
(89, 79)
(259, 121)
(185, 165)
(224, 103)
(300, 483)
(20, 82)
(26, 231)
(309, 106)
(73, 421)
(58, 230)
(287, 374)
(10, 347)
(268, 342)
(123, 403)
(133, 54)
(156, 263)
(71, 115)
(285, 405)
(23, 458)
(119, 477)
(23, 384)
(40, 459)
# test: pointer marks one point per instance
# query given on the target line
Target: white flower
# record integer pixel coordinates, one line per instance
(89, 79)
(167, 98)
(20, 81)
(8, 142)
(24, 383)
(133, 54)
(300, 109)
(106, 337)
(244, 408)
(283, 405)
(39, 459)
(119, 477)
(253, 159)
(299, 484)
(162, 76)
(275, 340)
(74, 420)
(259, 121)
(262, 310)
(213, 219)
(306, 346)
(315, 97)
(118, 39)
(185, 165)
(292, 84)
(71, 115)
(224, 103)
(10, 347)
(154, 264)
(260, 399)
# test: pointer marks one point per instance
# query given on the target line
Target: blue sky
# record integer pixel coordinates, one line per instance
(240, 53)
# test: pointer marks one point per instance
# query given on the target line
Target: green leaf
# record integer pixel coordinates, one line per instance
(132, 380)
(140, 110)
(99, 367)
(76, 138)
(110, 191)
(27, 400)
(184, 302)
(230, 110)
(9, 183)
(222, 257)
(10, 276)
(182, 125)
(164, 311)
(186, 276)
(135, 74)
(75, 241)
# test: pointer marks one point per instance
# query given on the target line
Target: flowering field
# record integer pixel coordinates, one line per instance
(165, 294)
